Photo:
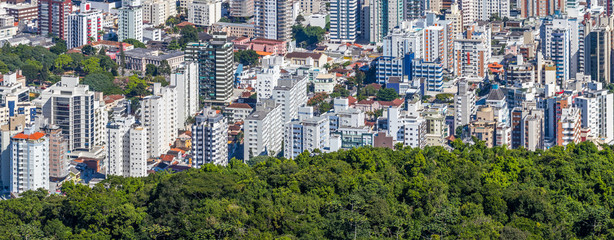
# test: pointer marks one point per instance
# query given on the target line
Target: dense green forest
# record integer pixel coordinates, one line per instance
(472, 192)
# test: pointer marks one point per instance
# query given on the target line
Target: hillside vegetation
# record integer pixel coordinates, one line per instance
(365, 193)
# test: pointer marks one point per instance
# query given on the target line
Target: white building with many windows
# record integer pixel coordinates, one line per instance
(130, 20)
(205, 12)
(263, 131)
(84, 26)
(70, 105)
(306, 135)
(159, 115)
(596, 108)
(290, 94)
(29, 161)
(210, 138)
(127, 151)
(185, 80)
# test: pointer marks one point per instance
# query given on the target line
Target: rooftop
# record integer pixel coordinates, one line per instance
(33, 136)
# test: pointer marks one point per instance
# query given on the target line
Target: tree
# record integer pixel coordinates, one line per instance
(188, 35)
(246, 57)
(103, 51)
(91, 65)
(164, 68)
(102, 82)
(444, 97)
(136, 87)
(387, 94)
(59, 47)
(88, 50)
(62, 61)
(135, 43)
(31, 72)
(4, 69)
(300, 19)
(308, 35)
(151, 70)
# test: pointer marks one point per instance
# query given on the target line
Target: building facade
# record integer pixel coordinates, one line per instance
(130, 21)
(215, 74)
(53, 17)
(29, 161)
(210, 138)
(159, 116)
(205, 12)
(84, 27)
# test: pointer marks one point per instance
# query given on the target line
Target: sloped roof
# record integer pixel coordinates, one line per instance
(495, 95)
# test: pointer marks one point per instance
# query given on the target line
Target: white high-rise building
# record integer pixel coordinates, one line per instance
(407, 127)
(185, 80)
(384, 15)
(263, 130)
(472, 54)
(274, 19)
(127, 151)
(407, 38)
(205, 12)
(290, 94)
(343, 20)
(596, 108)
(29, 161)
(70, 105)
(306, 135)
(84, 26)
(266, 80)
(156, 12)
(137, 164)
(210, 138)
(159, 116)
(560, 42)
(464, 104)
(14, 126)
(130, 20)
(480, 10)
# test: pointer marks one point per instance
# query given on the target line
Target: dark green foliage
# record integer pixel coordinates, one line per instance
(102, 82)
(306, 36)
(135, 43)
(246, 57)
(59, 47)
(88, 50)
(188, 34)
(340, 91)
(472, 192)
(151, 70)
(387, 94)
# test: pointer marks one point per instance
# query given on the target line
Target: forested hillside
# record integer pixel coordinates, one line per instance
(365, 193)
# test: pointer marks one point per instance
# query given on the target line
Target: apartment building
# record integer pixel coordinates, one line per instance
(210, 138)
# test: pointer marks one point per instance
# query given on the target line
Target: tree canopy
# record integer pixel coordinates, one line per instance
(307, 36)
(471, 192)
(387, 94)
(135, 43)
(246, 57)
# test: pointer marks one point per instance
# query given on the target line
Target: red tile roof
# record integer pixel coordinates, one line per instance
(267, 41)
(239, 105)
(112, 98)
(366, 102)
(33, 136)
(167, 157)
(351, 100)
(183, 24)
(397, 102)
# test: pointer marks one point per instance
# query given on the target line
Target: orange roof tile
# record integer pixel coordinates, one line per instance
(263, 53)
(33, 136)
(239, 105)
